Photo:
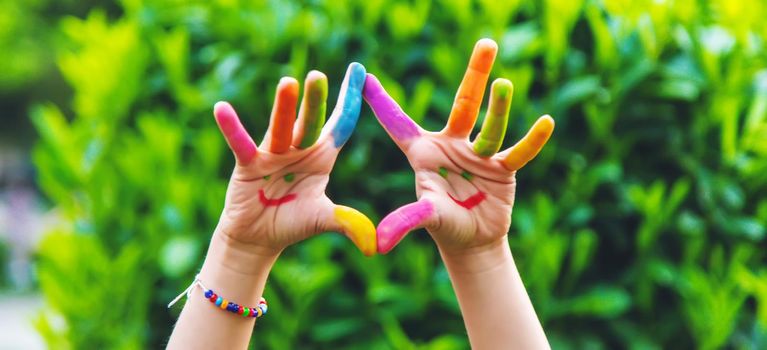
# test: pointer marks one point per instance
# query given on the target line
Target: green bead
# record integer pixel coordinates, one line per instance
(246, 312)
(289, 177)
(465, 174)
(443, 172)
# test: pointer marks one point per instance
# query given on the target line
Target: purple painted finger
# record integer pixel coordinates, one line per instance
(396, 225)
(239, 141)
(399, 126)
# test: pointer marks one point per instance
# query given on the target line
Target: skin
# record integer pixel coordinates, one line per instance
(286, 175)
(465, 194)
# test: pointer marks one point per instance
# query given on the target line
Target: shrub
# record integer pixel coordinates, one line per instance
(641, 224)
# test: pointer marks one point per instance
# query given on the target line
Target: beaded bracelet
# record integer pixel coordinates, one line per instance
(222, 303)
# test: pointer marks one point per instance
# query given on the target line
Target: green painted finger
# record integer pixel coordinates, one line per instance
(312, 114)
(490, 138)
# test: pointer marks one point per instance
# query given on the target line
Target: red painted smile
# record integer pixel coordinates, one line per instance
(267, 202)
(470, 202)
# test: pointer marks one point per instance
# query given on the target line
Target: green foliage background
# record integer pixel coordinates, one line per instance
(641, 224)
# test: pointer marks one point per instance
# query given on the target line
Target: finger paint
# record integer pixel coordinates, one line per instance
(313, 108)
(237, 138)
(469, 96)
(388, 112)
(529, 146)
(396, 225)
(350, 111)
(358, 228)
(490, 138)
(274, 202)
(470, 202)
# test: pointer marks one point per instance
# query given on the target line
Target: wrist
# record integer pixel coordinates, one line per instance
(238, 257)
(477, 259)
(236, 270)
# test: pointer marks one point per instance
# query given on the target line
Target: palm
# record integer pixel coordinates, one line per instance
(465, 189)
(472, 197)
(263, 199)
(276, 195)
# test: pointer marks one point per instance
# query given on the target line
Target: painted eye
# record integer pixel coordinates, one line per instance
(266, 178)
(443, 172)
(289, 177)
(466, 175)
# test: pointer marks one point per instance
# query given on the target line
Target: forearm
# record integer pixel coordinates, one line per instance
(236, 272)
(496, 309)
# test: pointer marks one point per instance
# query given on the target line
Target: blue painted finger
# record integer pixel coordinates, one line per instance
(350, 101)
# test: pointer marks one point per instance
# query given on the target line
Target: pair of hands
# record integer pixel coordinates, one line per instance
(276, 196)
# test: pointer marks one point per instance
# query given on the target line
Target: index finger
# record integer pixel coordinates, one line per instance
(469, 96)
(397, 124)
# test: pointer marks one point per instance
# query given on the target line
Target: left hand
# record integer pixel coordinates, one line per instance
(465, 189)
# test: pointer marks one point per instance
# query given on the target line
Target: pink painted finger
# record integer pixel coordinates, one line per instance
(396, 225)
(241, 144)
(400, 127)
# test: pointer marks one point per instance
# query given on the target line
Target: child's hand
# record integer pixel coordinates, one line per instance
(465, 190)
(276, 195)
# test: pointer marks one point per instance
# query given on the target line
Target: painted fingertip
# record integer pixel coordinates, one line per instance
(484, 55)
(221, 106)
(358, 228)
(352, 102)
(502, 88)
(543, 128)
(316, 88)
(486, 44)
(393, 228)
(287, 81)
(372, 86)
(357, 71)
(548, 120)
(238, 139)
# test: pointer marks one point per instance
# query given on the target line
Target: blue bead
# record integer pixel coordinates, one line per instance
(208, 294)
(263, 308)
(219, 301)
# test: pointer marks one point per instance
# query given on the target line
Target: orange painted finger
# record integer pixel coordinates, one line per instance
(469, 97)
(528, 147)
(280, 133)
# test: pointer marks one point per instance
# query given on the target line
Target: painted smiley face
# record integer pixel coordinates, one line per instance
(273, 202)
(470, 202)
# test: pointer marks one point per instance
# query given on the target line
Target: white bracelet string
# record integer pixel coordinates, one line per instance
(188, 292)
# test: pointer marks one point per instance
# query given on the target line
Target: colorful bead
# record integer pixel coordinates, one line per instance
(227, 305)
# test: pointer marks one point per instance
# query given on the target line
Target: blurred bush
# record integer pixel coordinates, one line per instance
(641, 225)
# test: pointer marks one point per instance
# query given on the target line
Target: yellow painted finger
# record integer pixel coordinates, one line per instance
(472, 88)
(357, 227)
(529, 146)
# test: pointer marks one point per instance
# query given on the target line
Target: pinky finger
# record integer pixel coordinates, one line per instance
(528, 147)
(241, 144)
